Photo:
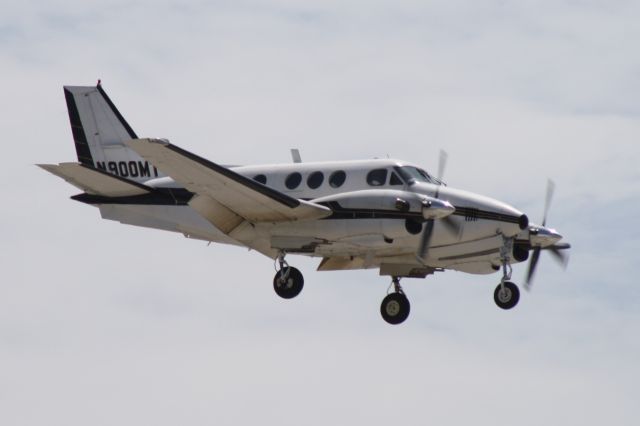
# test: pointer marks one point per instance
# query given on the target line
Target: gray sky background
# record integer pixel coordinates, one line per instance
(104, 324)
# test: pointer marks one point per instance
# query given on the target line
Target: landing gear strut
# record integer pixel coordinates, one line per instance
(395, 306)
(506, 294)
(288, 281)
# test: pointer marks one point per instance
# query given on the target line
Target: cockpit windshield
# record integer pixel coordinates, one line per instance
(414, 174)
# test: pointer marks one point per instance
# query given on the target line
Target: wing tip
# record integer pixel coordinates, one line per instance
(48, 167)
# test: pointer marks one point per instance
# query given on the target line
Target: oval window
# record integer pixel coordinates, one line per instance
(260, 178)
(315, 179)
(337, 178)
(293, 180)
(377, 177)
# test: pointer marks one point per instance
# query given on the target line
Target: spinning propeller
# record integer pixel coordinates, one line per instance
(449, 223)
(542, 232)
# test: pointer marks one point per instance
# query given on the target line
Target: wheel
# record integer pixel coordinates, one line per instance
(288, 282)
(395, 308)
(508, 297)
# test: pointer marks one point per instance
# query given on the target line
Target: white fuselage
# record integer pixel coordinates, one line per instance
(366, 229)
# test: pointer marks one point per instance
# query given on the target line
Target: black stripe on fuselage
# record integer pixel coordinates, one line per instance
(181, 196)
(77, 130)
(471, 214)
(250, 183)
(340, 212)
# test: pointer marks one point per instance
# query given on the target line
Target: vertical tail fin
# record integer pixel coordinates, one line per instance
(99, 132)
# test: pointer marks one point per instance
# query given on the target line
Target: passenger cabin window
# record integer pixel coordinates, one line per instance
(337, 178)
(395, 180)
(315, 179)
(260, 178)
(377, 177)
(293, 180)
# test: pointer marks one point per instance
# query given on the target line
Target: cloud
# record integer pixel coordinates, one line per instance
(104, 323)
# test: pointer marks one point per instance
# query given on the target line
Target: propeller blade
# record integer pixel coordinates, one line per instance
(451, 225)
(561, 257)
(558, 246)
(448, 222)
(555, 250)
(533, 263)
(426, 238)
(442, 164)
(551, 187)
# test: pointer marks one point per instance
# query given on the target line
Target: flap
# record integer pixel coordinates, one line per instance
(95, 181)
(245, 197)
(341, 263)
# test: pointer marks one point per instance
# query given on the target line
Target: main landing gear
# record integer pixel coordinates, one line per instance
(288, 281)
(395, 306)
(506, 294)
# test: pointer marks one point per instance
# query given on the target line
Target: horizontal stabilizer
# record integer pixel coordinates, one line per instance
(244, 197)
(95, 181)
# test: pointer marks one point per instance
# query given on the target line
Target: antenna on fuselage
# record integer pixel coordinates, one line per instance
(295, 155)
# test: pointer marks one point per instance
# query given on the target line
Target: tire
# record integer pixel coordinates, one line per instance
(509, 298)
(292, 286)
(395, 308)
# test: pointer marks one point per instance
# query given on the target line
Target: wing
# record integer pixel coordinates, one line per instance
(223, 193)
(95, 181)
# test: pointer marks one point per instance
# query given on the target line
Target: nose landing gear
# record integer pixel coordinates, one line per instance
(395, 306)
(507, 293)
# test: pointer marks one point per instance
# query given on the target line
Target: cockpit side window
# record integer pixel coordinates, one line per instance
(414, 174)
(377, 177)
(395, 180)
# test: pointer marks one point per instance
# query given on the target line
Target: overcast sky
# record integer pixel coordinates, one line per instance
(104, 324)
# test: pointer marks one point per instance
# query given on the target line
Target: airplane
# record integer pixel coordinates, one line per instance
(386, 214)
